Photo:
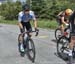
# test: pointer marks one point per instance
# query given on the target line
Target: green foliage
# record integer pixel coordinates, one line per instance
(10, 10)
(42, 23)
(44, 9)
(50, 8)
(39, 7)
(47, 23)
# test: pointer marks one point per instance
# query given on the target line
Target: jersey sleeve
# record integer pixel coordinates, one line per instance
(62, 15)
(19, 17)
(33, 15)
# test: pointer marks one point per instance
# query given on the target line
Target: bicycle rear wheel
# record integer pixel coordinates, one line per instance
(31, 50)
(63, 45)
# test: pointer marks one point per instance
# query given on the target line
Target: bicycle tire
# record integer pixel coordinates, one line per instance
(32, 58)
(58, 29)
(19, 42)
(60, 42)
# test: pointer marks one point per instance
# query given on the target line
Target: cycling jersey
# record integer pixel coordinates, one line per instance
(22, 17)
(25, 20)
(72, 23)
(59, 16)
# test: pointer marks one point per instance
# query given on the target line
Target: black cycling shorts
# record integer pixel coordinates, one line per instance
(26, 25)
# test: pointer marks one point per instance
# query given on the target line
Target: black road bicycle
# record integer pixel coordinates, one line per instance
(63, 45)
(28, 45)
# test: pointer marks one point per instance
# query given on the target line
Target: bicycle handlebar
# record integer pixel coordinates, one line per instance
(37, 32)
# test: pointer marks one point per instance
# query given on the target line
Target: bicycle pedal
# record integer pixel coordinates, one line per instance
(22, 54)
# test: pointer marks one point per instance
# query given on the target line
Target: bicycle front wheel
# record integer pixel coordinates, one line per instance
(57, 33)
(31, 50)
(62, 46)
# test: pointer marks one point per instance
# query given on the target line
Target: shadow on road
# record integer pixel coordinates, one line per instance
(63, 57)
(1, 26)
(54, 40)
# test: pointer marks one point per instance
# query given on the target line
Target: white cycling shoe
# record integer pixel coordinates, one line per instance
(21, 48)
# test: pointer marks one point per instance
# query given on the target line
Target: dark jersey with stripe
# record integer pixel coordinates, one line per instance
(72, 22)
(60, 15)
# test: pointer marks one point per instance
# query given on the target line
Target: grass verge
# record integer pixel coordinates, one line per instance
(42, 23)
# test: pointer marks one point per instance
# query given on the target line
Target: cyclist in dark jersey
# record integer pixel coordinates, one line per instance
(71, 19)
(62, 19)
(72, 33)
(59, 18)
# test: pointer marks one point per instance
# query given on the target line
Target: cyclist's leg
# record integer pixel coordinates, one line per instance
(61, 25)
(29, 28)
(62, 28)
(71, 45)
(72, 42)
(21, 31)
(22, 39)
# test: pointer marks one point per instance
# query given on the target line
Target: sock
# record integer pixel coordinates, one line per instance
(70, 52)
(67, 52)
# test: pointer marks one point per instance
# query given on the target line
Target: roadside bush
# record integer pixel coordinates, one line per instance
(10, 10)
(44, 9)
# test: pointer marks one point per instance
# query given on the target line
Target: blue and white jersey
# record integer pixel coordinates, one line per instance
(26, 18)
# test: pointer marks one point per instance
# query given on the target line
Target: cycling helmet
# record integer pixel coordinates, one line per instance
(68, 12)
(26, 7)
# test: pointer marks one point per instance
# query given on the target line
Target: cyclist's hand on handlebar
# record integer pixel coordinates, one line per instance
(37, 30)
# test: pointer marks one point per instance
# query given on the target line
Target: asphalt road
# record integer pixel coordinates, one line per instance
(45, 47)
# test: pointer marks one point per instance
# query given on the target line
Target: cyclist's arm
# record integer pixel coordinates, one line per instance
(34, 19)
(20, 25)
(19, 21)
(35, 23)
(62, 19)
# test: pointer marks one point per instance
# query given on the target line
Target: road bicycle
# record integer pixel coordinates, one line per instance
(28, 45)
(63, 46)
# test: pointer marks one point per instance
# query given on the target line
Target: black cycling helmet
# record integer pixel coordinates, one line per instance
(26, 7)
